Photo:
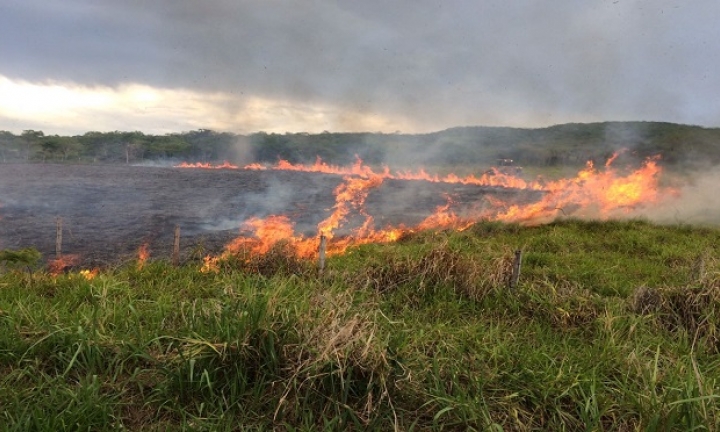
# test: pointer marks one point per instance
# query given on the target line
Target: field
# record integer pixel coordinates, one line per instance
(612, 326)
(109, 212)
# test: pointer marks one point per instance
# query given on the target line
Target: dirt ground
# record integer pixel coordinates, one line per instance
(108, 212)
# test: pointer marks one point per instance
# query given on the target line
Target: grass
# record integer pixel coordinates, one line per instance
(613, 326)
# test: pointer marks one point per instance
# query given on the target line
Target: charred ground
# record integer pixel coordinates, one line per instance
(109, 211)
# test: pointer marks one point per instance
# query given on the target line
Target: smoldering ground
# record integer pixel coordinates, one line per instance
(108, 212)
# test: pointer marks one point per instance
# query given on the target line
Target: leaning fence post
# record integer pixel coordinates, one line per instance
(58, 237)
(517, 263)
(176, 247)
(321, 255)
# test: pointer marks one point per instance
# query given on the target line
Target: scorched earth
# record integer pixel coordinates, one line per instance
(108, 213)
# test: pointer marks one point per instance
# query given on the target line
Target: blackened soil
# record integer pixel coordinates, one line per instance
(109, 211)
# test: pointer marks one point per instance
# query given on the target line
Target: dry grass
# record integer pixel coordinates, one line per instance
(281, 259)
(564, 306)
(340, 360)
(441, 266)
(693, 310)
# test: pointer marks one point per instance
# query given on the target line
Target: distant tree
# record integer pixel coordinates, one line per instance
(7, 144)
(31, 139)
(54, 147)
(271, 147)
(134, 143)
(207, 145)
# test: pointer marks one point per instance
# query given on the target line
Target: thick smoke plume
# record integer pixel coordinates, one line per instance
(694, 203)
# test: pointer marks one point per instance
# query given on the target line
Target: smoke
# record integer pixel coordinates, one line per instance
(620, 136)
(158, 163)
(694, 203)
(241, 151)
(306, 203)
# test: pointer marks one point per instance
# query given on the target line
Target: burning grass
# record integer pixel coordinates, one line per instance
(420, 334)
(281, 257)
(599, 193)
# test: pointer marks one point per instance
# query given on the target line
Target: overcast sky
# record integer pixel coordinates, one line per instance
(161, 66)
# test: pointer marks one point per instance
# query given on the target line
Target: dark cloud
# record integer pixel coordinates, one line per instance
(437, 62)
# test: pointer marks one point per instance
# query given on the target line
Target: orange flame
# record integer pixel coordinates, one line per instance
(348, 195)
(596, 193)
(493, 177)
(593, 193)
(267, 232)
(255, 167)
(445, 218)
(89, 274)
(204, 165)
(143, 255)
(60, 264)
(210, 264)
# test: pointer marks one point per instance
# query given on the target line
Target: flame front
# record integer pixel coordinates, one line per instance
(267, 232)
(591, 193)
(493, 177)
(350, 195)
(204, 165)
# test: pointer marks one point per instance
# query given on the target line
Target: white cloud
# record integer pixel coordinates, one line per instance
(68, 109)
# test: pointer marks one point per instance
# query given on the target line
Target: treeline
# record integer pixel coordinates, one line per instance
(561, 145)
(114, 147)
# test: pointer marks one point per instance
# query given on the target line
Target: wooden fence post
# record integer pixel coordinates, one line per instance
(321, 256)
(176, 247)
(58, 237)
(517, 263)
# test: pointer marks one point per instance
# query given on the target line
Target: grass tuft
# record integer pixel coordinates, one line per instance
(694, 311)
(439, 267)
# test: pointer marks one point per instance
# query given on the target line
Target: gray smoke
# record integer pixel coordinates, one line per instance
(696, 202)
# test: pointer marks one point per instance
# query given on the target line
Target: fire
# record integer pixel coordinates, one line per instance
(348, 195)
(203, 165)
(255, 167)
(89, 274)
(492, 177)
(62, 263)
(445, 218)
(356, 169)
(592, 193)
(267, 233)
(210, 264)
(143, 255)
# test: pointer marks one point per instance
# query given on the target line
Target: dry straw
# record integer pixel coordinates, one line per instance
(441, 266)
(694, 310)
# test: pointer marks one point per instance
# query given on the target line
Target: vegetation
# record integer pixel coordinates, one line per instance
(569, 145)
(613, 326)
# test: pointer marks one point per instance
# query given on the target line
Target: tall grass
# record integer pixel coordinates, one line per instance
(613, 326)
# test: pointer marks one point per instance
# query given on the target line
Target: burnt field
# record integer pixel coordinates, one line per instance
(108, 212)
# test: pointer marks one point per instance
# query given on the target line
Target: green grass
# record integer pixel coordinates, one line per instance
(613, 326)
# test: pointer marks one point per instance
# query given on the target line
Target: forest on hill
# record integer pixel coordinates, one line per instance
(561, 145)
